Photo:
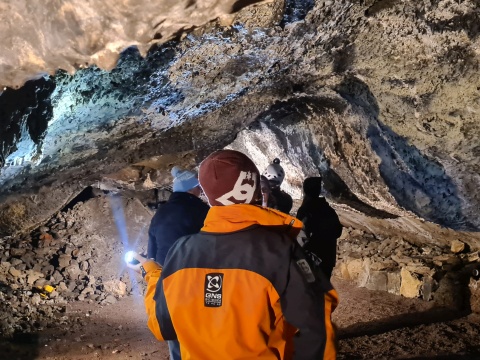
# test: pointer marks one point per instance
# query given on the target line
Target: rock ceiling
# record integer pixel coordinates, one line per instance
(41, 37)
(380, 97)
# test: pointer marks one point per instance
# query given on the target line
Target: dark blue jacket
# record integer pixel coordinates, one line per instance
(183, 214)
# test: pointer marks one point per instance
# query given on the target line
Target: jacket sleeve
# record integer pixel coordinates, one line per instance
(289, 203)
(300, 213)
(285, 202)
(152, 245)
(153, 272)
(307, 304)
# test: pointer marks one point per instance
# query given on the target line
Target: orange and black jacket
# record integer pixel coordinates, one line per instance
(240, 290)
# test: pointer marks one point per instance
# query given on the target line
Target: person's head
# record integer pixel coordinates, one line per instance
(274, 173)
(185, 181)
(312, 186)
(229, 177)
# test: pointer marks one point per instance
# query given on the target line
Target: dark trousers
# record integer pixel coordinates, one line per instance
(174, 347)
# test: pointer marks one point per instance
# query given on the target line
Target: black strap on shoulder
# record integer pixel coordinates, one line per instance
(163, 315)
(311, 271)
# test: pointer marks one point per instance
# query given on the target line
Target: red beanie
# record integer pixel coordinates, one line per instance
(229, 177)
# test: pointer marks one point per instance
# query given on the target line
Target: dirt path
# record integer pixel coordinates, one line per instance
(372, 325)
(379, 325)
(116, 331)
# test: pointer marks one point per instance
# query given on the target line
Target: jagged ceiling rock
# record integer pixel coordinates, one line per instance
(305, 133)
(380, 97)
(41, 37)
(153, 173)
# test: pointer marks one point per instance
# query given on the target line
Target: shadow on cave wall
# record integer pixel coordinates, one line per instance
(417, 182)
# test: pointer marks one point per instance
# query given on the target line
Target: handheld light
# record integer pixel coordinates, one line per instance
(129, 258)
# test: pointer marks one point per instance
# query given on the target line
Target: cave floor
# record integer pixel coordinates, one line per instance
(372, 325)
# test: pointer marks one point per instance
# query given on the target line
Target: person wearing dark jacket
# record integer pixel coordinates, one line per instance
(278, 199)
(183, 214)
(321, 225)
(242, 287)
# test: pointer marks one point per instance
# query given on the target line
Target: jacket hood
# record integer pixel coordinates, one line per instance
(226, 219)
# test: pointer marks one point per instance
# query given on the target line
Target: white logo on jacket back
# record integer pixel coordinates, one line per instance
(243, 190)
(213, 290)
(214, 283)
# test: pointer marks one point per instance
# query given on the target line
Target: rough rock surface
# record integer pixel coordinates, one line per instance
(379, 97)
(72, 34)
(79, 252)
(371, 324)
(386, 113)
(393, 264)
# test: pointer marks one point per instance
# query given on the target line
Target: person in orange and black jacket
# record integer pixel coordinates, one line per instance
(242, 288)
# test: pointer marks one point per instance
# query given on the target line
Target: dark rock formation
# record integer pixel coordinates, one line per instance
(379, 97)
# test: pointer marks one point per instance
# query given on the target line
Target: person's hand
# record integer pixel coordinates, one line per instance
(136, 266)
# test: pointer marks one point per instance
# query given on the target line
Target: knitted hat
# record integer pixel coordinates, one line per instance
(229, 177)
(183, 180)
(312, 186)
(274, 172)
